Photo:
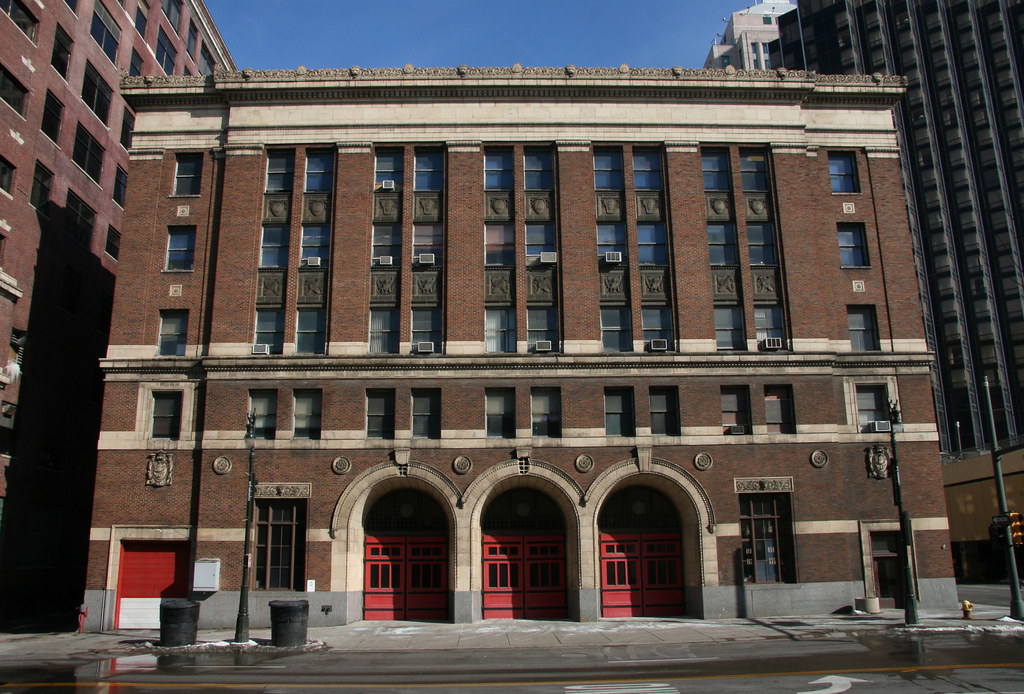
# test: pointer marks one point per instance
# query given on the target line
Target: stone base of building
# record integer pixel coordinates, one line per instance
(220, 610)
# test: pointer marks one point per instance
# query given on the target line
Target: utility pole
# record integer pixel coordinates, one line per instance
(242, 623)
(909, 596)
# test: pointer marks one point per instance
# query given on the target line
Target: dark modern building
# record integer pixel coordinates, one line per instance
(962, 135)
(64, 173)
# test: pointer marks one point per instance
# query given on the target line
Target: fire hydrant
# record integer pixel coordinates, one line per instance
(966, 606)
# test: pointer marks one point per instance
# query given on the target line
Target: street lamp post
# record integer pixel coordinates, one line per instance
(909, 596)
(242, 623)
(1016, 604)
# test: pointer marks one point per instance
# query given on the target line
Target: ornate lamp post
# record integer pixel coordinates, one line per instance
(242, 623)
(909, 597)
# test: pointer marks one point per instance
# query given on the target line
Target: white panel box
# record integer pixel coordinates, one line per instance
(206, 578)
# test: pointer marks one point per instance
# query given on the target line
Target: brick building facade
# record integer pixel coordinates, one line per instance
(519, 342)
(64, 161)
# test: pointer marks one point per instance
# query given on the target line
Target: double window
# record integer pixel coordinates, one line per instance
(618, 412)
(173, 333)
(500, 405)
(546, 412)
(12, 91)
(188, 174)
(308, 406)
(380, 414)
(166, 415)
(842, 170)
(96, 93)
(105, 31)
(181, 248)
(88, 153)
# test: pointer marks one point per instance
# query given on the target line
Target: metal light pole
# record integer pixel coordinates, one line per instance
(909, 596)
(242, 623)
(1016, 604)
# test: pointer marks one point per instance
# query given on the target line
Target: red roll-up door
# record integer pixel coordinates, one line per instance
(406, 578)
(641, 575)
(148, 572)
(524, 577)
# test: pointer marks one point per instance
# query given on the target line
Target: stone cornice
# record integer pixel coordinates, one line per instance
(516, 82)
(328, 366)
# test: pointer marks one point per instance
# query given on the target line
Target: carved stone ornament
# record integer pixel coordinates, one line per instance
(311, 287)
(222, 465)
(159, 469)
(286, 490)
(384, 286)
(584, 463)
(427, 207)
(314, 208)
(276, 208)
(703, 461)
(540, 286)
(763, 484)
(498, 287)
(819, 458)
(270, 287)
(723, 282)
(648, 207)
(765, 283)
(653, 283)
(719, 208)
(426, 287)
(538, 207)
(462, 464)
(386, 208)
(609, 207)
(613, 286)
(499, 206)
(757, 208)
(341, 465)
(878, 461)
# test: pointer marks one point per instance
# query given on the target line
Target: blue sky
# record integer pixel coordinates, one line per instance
(284, 34)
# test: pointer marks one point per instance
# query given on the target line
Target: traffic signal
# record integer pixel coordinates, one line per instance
(1017, 528)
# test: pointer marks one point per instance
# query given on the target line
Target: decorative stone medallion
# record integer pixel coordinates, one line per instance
(878, 461)
(462, 464)
(703, 461)
(159, 469)
(222, 465)
(819, 458)
(584, 463)
(341, 465)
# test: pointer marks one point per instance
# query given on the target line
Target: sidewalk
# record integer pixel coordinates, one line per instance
(502, 634)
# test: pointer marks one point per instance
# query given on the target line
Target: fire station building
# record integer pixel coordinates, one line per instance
(519, 342)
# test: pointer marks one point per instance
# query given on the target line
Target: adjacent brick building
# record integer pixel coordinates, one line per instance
(63, 177)
(518, 342)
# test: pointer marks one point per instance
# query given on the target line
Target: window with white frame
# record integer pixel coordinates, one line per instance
(387, 243)
(619, 419)
(311, 331)
(270, 329)
(181, 248)
(664, 410)
(863, 328)
(384, 331)
(316, 241)
(307, 413)
(280, 171)
(188, 174)
(767, 322)
(500, 405)
(426, 413)
(166, 415)
(274, 246)
(173, 333)
(263, 404)
(380, 413)
(657, 323)
(426, 328)
(546, 412)
(616, 329)
(729, 330)
(500, 330)
(542, 326)
(872, 406)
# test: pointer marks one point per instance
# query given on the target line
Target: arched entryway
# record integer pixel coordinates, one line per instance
(406, 558)
(641, 555)
(524, 570)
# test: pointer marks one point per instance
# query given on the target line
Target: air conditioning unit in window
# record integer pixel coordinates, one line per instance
(548, 257)
(311, 262)
(770, 343)
(425, 347)
(542, 346)
(425, 259)
(385, 260)
(261, 349)
(737, 429)
(613, 257)
(659, 345)
(881, 427)
(387, 184)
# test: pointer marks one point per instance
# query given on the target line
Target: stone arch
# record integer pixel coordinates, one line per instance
(538, 475)
(347, 522)
(700, 552)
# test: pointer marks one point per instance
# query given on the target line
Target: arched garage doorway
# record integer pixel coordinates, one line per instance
(641, 555)
(524, 557)
(406, 558)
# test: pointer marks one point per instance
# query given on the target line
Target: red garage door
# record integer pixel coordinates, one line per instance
(406, 578)
(641, 575)
(524, 577)
(149, 571)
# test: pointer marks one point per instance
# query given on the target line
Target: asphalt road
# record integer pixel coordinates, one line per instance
(879, 661)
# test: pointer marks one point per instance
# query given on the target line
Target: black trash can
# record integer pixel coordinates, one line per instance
(179, 622)
(288, 621)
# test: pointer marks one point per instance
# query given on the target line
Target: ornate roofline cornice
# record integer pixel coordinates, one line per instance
(513, 82)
